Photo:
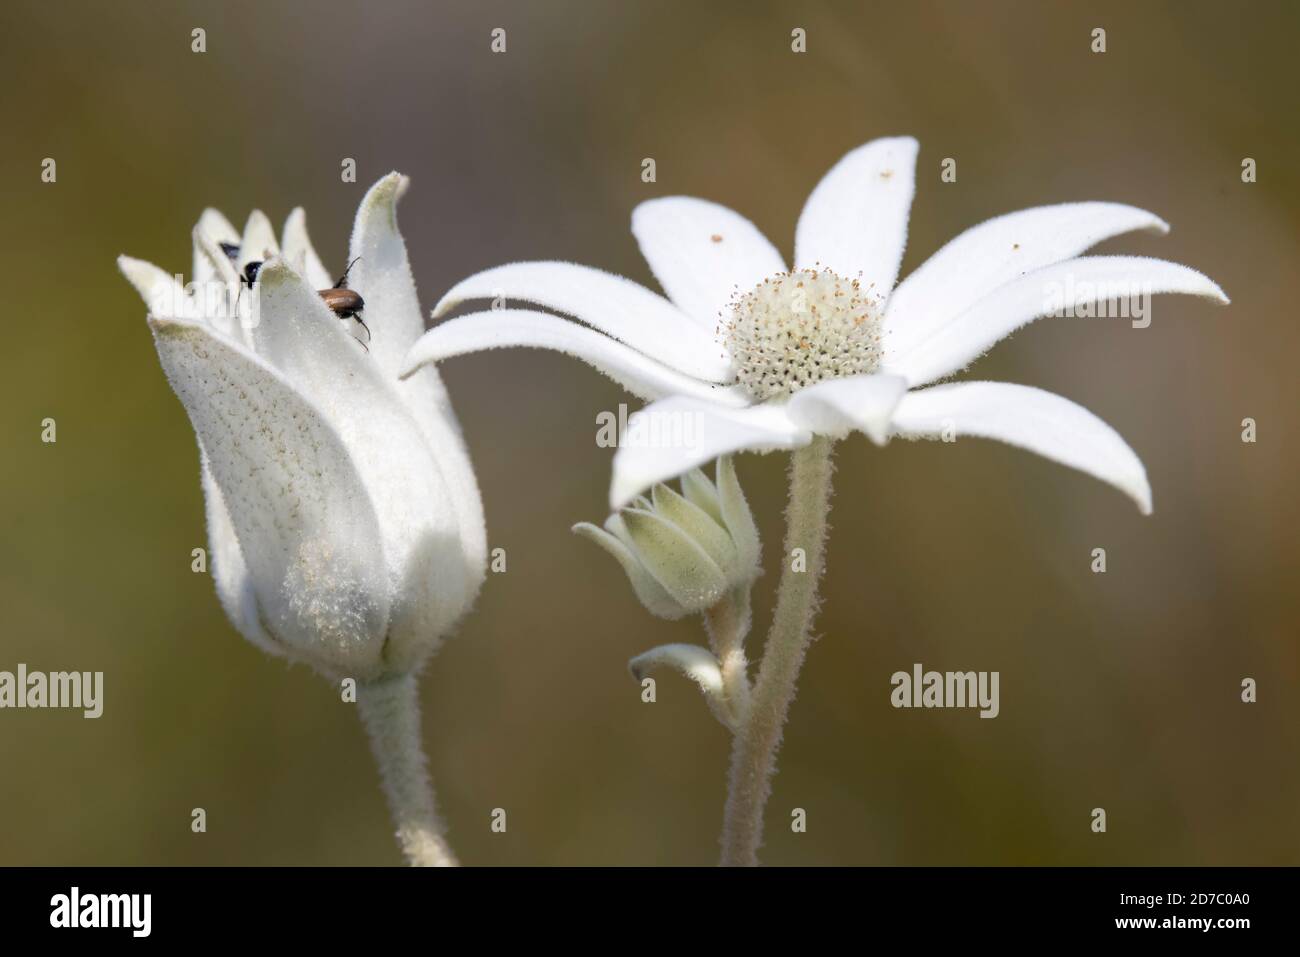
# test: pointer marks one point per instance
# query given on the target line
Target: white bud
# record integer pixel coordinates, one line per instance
(684, 551)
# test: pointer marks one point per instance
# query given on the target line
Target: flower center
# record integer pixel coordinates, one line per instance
(796, 329)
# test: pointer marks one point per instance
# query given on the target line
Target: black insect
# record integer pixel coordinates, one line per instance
(343, 302)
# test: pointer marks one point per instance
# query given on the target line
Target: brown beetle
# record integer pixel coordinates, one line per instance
(342, 301)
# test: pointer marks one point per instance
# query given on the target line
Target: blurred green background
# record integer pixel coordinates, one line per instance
(1118, 690)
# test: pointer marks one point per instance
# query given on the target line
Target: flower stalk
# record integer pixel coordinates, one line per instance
(727, 624)
(758, 735)
(390, 711)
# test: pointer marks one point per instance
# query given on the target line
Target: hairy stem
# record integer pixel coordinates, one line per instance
(753, 754)
(390, 710)
(728, 623)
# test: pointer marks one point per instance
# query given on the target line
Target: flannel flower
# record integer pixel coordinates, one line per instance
(344, 521)
(761, 357)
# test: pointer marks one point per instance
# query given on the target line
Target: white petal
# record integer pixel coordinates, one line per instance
(855, 221)
(1042, 422)
(300, 252)
(1051, 289)
(614, 305)
(995, 252)
(674, 435)
(417, 513)
(702, 253)
(837, 407)
(259, 243)
(217, 229)
(220, 297)
(163, 295)
(382, 275)
(507, 328)
(230, 573)
(297, 504)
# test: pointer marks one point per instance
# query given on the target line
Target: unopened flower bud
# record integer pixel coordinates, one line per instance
(683, 552)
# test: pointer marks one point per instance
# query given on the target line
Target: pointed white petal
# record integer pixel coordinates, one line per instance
(298, 334)
(674, 435)
(298, 506)
(995, 252)
(259, 243)
(216, 227)
(213, 225)
(220, 297)
(855, 221)
(300, 252)
(416, 511)
(837, 407)
(162, 294)
(702, 253)
(649, 592)
(216, 265)
(382, 275)
(1042, 422)
(1050, 290)
(616, 306)
(506, 328)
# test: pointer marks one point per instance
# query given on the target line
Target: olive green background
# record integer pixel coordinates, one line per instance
(1118, 690)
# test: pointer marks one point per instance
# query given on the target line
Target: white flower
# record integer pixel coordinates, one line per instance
(344, 521)
(764, 359)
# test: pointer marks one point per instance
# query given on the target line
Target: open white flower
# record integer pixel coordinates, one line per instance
(763, 358)
(344, 520)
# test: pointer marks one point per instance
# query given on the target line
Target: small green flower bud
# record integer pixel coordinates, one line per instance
(684, 551)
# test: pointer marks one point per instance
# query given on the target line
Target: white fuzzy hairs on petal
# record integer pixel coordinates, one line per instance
(855, 220)
(1063, 288)
(523, 328)
(310, 540)
(1032, 419)
(996, 252)
(679, 433)
(618, 307)
(702, 253)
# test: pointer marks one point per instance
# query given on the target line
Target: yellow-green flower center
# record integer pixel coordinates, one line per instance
(796, 329)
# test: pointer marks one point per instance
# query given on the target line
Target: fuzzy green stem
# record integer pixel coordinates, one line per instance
(753, 754)
(390, 710)
(728, 623)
